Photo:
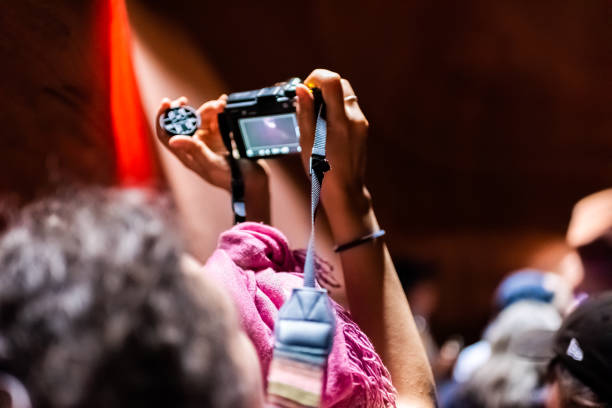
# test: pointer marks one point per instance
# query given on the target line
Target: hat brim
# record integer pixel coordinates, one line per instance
(537, 345)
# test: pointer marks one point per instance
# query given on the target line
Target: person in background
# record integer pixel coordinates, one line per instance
(521, 285)
(590, 234)
(418, 282)
(486, 372)
(578, 355)
(533, 284)
(503, 380)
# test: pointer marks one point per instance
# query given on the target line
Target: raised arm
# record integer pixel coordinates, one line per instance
(375, 296)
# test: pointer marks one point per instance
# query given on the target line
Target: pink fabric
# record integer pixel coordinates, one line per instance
(254, 264)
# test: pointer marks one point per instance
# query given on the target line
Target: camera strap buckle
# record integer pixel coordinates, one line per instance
(318, 165)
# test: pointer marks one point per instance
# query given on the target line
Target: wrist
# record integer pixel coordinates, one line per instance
(348, 200)
(350, 215)
(256, 191)
(255, 175)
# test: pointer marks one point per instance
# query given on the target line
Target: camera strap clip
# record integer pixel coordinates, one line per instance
(318, 166)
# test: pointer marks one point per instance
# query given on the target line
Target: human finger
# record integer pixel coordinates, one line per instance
(184, 157)
(351, 104)
(181, 101)
(209, 128)
(305, 117)
(200, 152)
(162, 135)
(163, 106)
(331, 87)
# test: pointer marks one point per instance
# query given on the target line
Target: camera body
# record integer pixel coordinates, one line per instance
(262, 122)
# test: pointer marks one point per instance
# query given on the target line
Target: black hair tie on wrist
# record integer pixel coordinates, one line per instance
(359, 241)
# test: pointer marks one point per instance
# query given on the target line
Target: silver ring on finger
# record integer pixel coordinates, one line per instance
(351, 98)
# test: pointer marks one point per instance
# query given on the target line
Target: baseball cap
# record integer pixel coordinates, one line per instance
(583, 344)
(524, 284)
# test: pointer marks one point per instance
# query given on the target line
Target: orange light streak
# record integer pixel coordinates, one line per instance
(130, 130)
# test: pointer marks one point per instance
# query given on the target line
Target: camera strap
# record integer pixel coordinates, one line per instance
(238, 205)
(318, 167)
(305, 326)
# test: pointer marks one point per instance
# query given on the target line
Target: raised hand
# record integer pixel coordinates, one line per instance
(206, 155)
(347, 130)
(375, 296)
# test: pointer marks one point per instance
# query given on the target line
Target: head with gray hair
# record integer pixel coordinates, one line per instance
(505, 380)
(95, 310)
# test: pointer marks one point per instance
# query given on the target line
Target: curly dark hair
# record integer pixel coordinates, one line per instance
(96, 312)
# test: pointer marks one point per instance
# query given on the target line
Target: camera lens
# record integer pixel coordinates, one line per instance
(183, 120)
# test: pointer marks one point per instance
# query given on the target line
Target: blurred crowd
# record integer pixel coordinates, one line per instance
(530, 352)
(101, 305)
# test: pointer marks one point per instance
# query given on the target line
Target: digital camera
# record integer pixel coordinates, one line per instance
(262, 122)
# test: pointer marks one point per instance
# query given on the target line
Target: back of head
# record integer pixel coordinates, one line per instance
(578, 354)
(95, 311)
(518, 318)
(505, 380)
(535, 285)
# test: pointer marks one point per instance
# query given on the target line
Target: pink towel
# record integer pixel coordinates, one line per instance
(254, 264)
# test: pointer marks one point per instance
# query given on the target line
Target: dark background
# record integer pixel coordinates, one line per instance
(489, 119)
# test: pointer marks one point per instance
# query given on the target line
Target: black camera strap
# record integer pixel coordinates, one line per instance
(238, 204)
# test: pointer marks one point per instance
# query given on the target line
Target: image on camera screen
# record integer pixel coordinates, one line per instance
(270, 135)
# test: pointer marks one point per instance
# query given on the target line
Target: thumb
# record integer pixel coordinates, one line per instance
(196, 148)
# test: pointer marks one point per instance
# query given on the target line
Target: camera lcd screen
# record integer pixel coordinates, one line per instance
(270, 135)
